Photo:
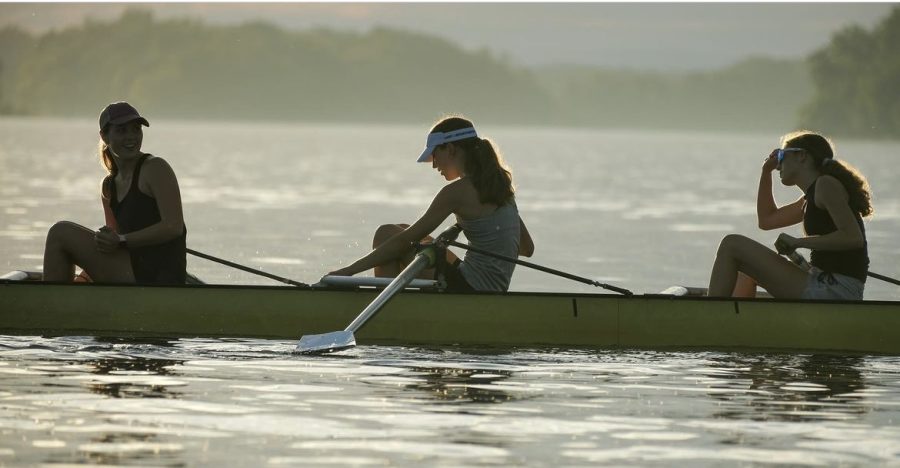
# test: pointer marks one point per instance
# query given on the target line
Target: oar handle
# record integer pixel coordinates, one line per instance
(448, 236)
(800, 261)
(247, 269)
(563, 274)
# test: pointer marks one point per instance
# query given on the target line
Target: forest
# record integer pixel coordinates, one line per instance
(183, 68)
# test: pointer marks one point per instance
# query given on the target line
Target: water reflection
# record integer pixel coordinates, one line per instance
(460, 383)
(790, 388)
(132, 378)
(242, 402)
(128, 374)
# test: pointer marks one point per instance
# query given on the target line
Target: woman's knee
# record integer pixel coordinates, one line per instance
(61, 231)
(732, 243)
(385, 232)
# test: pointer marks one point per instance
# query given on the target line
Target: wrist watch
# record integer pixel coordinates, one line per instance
(122, 242)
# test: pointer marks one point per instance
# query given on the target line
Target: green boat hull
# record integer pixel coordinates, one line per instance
(433, 318)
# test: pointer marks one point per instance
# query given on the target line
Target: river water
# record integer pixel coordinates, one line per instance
(640, 209)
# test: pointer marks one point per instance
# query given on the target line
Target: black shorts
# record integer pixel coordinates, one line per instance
(456, 283)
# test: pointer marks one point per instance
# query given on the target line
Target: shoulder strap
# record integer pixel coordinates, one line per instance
(137, 173)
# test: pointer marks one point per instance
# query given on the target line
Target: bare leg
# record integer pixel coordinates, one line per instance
(776, 274)
(392, 269)
(745, 287)
(70, 244)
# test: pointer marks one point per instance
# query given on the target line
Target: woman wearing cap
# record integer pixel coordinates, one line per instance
(836, 199)
(144, 237)
(481, 196)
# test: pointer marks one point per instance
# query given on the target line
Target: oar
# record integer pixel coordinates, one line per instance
(887, 279)
(800, 261)
(543, 268)
(247, 269)
(338, 340)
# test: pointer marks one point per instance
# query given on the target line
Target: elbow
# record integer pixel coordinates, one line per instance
(174, 230)
(854, 239)
(765, 225)
(527, 250)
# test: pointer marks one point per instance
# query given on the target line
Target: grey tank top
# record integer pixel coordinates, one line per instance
(499, 233)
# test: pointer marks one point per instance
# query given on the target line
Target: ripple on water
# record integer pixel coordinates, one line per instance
(288, 388)
(126, 447)
(242, 398)
(420, 449)
(278, 261)
(653, 453)
(326, 461)
(271, 424)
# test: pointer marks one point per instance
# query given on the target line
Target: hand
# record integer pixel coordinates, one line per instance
(106, 240)
(786, 244)
(341, 272)
(771, 163)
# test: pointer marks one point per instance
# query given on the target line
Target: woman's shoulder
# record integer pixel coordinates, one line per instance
(461, 187)
(827, 182)
(153, 160)
(155, 165)
(156, 171)
(829, 187)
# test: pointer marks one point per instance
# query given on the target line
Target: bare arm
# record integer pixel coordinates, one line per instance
(107, 210)
(441, 207)
(831, 196)
(526, 243)
(158, 179)
(769, 215)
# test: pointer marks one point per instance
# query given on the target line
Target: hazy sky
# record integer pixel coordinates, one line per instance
(647, 36)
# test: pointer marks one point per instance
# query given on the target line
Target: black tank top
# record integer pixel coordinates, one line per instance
(164, 263)
(817, 222)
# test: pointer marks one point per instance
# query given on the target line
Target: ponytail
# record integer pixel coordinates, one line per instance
(858, 192)
(822, 151)
(109, 163)
(490, 176)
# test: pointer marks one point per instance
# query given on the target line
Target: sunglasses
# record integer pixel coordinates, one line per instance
(780, 152)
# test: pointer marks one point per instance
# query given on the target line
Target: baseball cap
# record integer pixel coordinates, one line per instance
(118, 113)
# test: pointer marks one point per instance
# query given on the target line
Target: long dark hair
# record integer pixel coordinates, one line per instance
(822, 151)
(482, 164)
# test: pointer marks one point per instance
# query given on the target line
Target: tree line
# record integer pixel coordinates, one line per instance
(187, 69)
(856, 80)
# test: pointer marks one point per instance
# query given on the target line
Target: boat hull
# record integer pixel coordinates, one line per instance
(432, 318)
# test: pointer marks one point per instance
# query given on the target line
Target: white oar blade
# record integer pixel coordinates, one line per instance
(325, 343)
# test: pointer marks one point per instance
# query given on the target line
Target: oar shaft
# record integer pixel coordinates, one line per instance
(419, 263)
(884, 278)
(542, 268)
(247, 269)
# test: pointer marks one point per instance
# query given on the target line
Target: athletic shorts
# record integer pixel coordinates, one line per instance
(456, 283)
(832, 286)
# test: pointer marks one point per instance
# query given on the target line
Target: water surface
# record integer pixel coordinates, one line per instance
(644, 210)
(252, 403)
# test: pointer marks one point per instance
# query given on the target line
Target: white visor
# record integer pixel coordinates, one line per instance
(438, 138)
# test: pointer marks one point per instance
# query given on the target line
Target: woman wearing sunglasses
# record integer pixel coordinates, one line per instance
(835, 200)
(480, 195)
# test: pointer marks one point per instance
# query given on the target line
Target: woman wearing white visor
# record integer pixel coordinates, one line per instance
(481, 196)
